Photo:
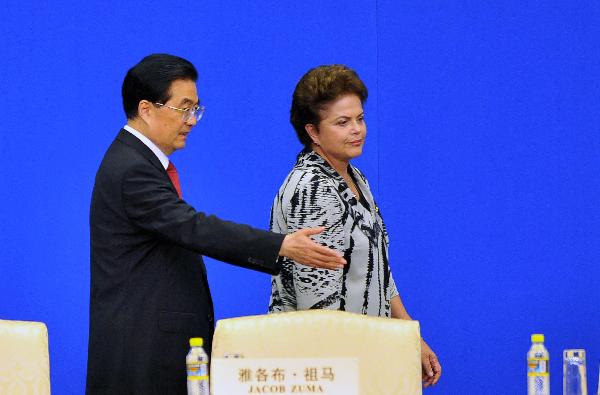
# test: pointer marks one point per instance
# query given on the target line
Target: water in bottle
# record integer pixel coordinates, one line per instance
(197, 368)
(538, 373)
(598, 380)
(574, 377)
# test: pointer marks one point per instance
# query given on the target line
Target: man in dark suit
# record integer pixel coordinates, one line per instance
(149, 291)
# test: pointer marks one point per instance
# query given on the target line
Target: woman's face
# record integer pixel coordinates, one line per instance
(342, 130)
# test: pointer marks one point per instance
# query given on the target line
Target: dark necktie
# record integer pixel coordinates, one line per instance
(172, 172)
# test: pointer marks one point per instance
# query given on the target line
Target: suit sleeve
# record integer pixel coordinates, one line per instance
(151, 204)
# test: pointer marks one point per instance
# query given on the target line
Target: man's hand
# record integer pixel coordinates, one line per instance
(432, 370)
(299, 247)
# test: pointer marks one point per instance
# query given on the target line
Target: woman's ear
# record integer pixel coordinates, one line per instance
(313, 132)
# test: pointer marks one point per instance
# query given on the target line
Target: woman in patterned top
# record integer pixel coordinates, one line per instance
(324, 190)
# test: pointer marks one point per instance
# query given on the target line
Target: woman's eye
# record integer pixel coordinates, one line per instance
(342, 123)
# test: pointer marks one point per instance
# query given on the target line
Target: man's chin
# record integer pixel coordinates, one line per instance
(180, 144)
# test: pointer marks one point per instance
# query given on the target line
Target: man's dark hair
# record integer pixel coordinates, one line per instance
(151, 80)
(317, 88)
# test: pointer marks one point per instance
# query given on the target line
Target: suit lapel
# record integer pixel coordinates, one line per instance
(130, 140)
(367, 221)
(127, 138)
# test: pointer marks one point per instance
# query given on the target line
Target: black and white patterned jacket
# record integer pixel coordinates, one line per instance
(312, 195)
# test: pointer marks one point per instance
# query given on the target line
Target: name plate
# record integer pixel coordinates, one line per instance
(237, 376)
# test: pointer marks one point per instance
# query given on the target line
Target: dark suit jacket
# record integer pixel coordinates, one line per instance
(149, 291)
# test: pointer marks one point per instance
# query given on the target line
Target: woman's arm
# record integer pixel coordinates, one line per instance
(398, 310)
(310, 202)
(432, 370)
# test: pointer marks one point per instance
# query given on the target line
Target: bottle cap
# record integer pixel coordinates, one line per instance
(196, 342)
(537, 338)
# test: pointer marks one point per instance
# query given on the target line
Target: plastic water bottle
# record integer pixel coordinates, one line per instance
(197, 368)
(538, 372)
(599, 380)
(574, 376)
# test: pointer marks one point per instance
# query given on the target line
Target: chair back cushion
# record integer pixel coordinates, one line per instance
(388, 350)
(24, 361)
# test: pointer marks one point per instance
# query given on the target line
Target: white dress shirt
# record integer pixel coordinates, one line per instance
(164, 160)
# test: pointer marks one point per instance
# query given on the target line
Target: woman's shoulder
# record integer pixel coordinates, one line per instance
(302, 178)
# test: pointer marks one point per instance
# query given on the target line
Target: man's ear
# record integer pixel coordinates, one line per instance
(313, 132)
(145, 109)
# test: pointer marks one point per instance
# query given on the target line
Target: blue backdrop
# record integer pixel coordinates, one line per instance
(482, 152)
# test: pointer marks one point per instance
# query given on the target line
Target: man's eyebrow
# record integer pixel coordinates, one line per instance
(188, 101)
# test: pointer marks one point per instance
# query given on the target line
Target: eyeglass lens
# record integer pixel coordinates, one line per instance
(194, 112)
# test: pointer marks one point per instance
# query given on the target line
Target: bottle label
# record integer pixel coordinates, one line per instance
(537, 367)
(197, 370)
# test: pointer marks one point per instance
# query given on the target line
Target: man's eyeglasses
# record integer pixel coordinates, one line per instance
(187, 113)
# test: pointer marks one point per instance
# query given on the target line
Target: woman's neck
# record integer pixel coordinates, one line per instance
(341, 167)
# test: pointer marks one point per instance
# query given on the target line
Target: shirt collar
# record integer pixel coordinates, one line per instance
(310, 159)
(164, 160)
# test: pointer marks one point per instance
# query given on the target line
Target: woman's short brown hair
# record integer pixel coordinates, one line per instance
(317, 88)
